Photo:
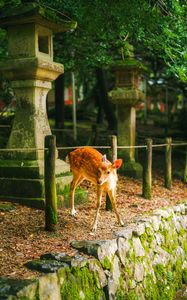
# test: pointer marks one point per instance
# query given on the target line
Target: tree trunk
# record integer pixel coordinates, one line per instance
(103, 99)
(59, 102)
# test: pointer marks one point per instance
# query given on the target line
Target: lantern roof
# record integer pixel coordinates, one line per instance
(129, 63)
(32, 12)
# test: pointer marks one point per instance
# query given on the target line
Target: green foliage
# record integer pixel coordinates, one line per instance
(107, 28)
(3, 36)
(6, 92)
(3, 43)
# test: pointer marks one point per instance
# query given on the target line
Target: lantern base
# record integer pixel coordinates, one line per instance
(23, 182)
(131, 169)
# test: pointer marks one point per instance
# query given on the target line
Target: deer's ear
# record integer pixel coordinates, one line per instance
(117, 164)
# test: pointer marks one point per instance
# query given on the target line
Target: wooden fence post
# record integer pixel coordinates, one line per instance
(147, 171)
(185, 168)
(168, 163)
(50, 183)
(114, 157)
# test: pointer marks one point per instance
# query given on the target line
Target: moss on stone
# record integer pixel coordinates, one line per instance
(106, 263)
(185, 246)
(81, 196)
(7, 207)
(168, 281)
(149, 236)
(129, 63)
(22, 289)
(151, 289)
(160, 273)
(177, 274)
(170, 240)
(80, 283)
(64, 174)
(131, 296)
(144, 241)
(131, 169)
(132, 256)
(184, 276)
(182, 232)
(128, 269)
(122, 295)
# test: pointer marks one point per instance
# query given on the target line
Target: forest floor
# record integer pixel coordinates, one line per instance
(23, 237)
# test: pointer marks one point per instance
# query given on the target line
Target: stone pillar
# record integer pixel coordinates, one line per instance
(126, 129)
(31, 69)
(126, 95)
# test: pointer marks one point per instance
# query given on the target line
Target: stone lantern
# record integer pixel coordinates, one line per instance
(126, 94)
(31, 70)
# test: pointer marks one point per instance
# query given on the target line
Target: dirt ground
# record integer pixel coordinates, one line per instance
(23, 237)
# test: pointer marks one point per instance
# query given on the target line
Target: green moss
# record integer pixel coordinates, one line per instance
(7, 207)
(165, 291)
(171, 240)
(128, 269)
(132, 296)
(80, 283)
(151, 289)
(184, 276)
(150, 235)
(131, 168)
(130, 283)
(168, 281)
(122, 295)
(147, 189)
(81, 196)
(132, 256)
(64, 174)
(106, 263)
(185, 246)
(52, 214)
(182, 232)
(129, 63)
(177, 274)
(144, 241)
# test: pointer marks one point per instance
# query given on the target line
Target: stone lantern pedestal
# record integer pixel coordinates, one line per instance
(31, 70)
(126, 95)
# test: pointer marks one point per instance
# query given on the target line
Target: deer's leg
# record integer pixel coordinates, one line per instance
(99, 198)
(75, 182)
(112, 196)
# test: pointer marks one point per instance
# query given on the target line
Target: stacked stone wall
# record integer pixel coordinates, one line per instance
(146, 260)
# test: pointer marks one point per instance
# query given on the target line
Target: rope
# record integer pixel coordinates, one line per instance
(180, 144)
(159, 145)
(96, 147)
(129, 147)
(23, 149)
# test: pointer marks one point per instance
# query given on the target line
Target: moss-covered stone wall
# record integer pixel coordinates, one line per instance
(146, 260)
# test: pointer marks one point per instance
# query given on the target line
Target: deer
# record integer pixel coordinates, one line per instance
(88, 163)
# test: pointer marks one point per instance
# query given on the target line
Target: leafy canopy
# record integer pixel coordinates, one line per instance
(156, 28)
